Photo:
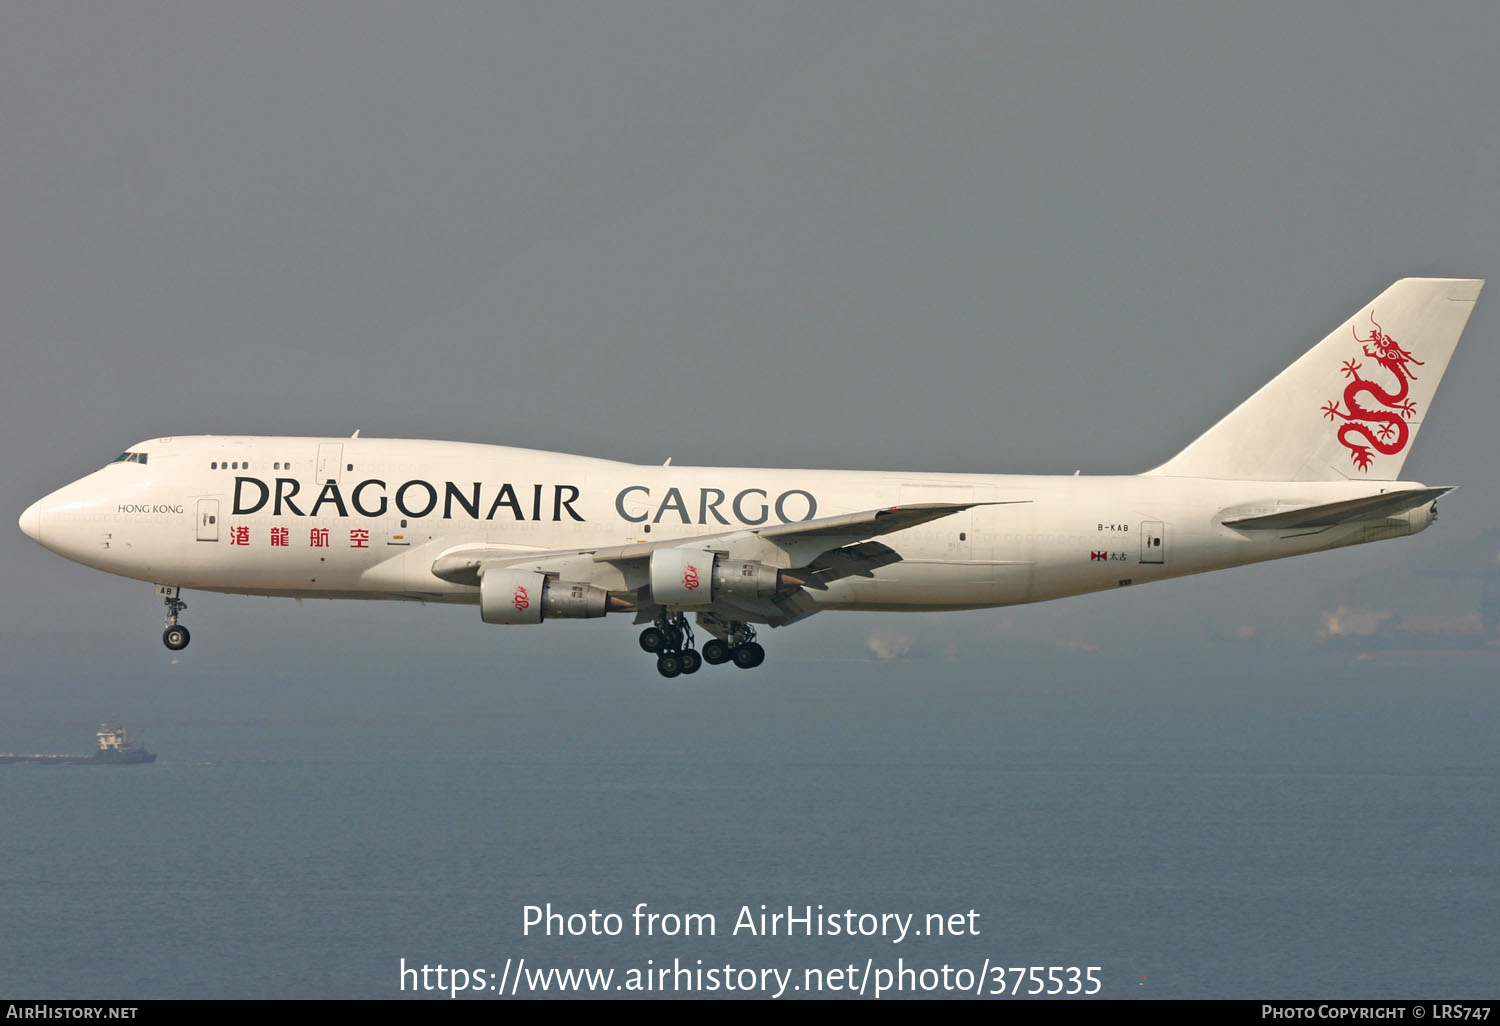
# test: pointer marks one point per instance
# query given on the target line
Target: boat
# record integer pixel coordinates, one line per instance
(116, 748)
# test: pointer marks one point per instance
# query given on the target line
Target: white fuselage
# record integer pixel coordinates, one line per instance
(1307, 462)
(368, 518)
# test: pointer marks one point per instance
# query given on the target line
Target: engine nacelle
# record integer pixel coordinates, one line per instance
(682, 577)
(740, 578)
(525, 596)
(688, 578)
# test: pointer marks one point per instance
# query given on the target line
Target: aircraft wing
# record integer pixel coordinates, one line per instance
(869, 523)
(1347, 511)
(819, 551)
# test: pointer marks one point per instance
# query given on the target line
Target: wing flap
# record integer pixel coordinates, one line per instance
(860, 560)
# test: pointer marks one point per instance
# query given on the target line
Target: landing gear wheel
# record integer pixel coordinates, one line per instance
(715, 652)
(653, 640)
(749, 655)
(674, 637)
(692, 662)
(176, 637)
(669, 664)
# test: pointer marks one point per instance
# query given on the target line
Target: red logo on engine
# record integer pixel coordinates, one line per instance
(690, 578)
(522, 600)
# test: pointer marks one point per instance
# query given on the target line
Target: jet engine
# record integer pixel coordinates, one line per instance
(687, 578)
(525, 596)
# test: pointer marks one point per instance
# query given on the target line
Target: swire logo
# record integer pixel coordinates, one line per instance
(522, 600)
(690, 578)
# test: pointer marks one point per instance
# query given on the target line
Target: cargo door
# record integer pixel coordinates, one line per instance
(330, 462)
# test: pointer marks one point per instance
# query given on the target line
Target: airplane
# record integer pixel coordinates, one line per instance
(1310, 462)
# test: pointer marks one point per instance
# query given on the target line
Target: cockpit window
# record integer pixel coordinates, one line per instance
(130, 457)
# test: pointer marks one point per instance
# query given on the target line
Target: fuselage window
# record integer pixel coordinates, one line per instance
(214, 465)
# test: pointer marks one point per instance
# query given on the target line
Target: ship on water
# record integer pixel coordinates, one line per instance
(116, 748)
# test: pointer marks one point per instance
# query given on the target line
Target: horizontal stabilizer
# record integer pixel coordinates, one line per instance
(1348, 511)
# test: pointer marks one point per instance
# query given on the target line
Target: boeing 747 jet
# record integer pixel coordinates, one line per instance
(1311, 461)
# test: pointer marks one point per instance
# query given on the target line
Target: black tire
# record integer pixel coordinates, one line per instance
(692, 662)
(176, 637)
(669, 664)
(748, 656)
(653, 640)
(715, 652)
(674, 638)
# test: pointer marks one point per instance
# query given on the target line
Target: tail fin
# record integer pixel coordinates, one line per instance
(1352, 405)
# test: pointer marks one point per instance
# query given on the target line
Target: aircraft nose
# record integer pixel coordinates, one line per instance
(31, 521)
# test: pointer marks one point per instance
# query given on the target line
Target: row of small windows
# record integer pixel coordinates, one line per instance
(130, 457)
(216, 464)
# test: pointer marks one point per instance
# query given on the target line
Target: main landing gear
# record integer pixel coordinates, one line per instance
(175, 636)
(671, 641)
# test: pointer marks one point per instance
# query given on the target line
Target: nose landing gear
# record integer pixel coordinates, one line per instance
(175, 636)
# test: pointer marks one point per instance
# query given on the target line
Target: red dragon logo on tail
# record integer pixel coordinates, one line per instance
(1385, 431)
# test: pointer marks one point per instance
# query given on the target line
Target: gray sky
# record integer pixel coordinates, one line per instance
(905, 236)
